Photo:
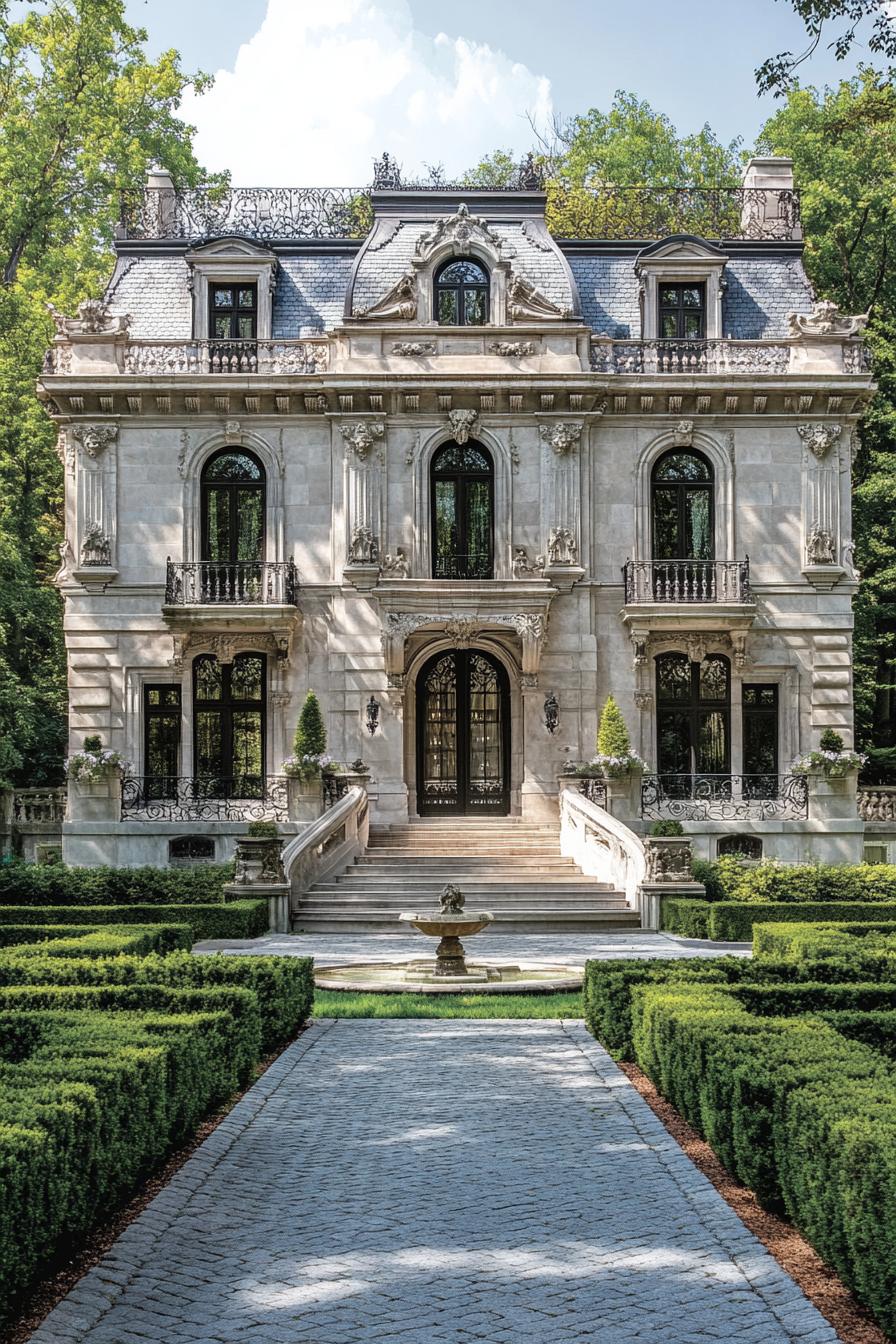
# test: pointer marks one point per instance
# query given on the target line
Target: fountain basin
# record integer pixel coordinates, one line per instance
(435, 925)
(418, 977)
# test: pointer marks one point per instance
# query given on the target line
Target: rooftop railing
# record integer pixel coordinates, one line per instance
(606, 212)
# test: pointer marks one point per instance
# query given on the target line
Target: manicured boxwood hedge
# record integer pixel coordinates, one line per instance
(800, 942)
(731, 922)
(41, 941)
(89, 1101)
(237, 919)
(730, 880)
(53, 884)
(803, 1115)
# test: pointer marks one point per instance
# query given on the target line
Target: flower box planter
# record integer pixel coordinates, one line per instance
(304, 797)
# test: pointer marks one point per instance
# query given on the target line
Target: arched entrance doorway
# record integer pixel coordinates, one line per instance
(463, 735)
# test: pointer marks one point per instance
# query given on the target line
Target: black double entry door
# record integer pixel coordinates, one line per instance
(463, 735)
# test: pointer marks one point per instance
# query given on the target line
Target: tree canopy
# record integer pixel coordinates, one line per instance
(83, 112)
(840, 24)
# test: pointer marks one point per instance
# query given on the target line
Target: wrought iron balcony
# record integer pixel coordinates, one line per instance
(204, 798)
(206, 582)
(346, 212)
(687, 581)
(725, 797)
(478, 565)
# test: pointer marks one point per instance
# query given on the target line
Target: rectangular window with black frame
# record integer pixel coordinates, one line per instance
(233, 327)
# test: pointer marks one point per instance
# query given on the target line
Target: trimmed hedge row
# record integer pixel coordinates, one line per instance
(52, 884)
(732, 922)
(816, 884)
(799, 942)
(803, 1116)
(236, 919)
(29, 941)
(89, 1102)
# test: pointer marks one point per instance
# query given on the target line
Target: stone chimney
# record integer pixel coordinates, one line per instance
(770, 213)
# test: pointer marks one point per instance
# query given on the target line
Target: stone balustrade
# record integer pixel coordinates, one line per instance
(878, 803)
(727, 357)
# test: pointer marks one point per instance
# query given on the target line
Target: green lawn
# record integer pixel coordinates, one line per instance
(348, 1003)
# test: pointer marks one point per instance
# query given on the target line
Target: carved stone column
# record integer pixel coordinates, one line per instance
(560, 493)
(821, 503)
(364, 464)
(95, 507)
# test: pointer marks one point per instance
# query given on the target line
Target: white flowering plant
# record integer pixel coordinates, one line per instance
(94, 762)
(602, 766)
(307, 765)
(831, 757)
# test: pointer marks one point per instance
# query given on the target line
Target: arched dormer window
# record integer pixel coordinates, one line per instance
(682, 510)
(462, 494)
(233, 515)
(461, 293)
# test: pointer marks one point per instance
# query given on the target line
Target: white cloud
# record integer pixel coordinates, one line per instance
(322, 89)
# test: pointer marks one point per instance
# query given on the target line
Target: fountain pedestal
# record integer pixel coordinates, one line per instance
(447, 924)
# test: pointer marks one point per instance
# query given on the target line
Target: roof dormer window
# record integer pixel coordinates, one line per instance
(233, 312)
(461, 294)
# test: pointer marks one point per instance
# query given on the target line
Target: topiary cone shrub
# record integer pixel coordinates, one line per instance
(310, 742)
(612, 734)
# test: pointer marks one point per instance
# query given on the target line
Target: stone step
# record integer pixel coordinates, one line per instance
(536, 921)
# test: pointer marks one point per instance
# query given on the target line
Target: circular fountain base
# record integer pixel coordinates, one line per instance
(422, 977)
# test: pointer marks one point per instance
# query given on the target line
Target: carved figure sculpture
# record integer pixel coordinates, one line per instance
(397, 566)
(820, 546)
(451, 900)
(364, 548)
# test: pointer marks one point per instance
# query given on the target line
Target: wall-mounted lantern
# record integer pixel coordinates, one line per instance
(373, 715)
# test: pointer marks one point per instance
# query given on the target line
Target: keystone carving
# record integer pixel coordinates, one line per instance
(562, 436)
(826, 320)
(360, 437)
(462, 424)
(683, 434)
(94, 439)
(819, 439)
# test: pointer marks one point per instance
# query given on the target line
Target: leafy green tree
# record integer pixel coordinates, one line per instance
(311, 732)
(83, 114)
(842, 23)
(843, 142)
(612, 734)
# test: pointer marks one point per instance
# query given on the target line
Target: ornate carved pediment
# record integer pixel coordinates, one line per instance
(460, 231)
(525, 301)
(398, 303)
(827, 320)
(819, 439)
(226, 647)
(94, 439)
(462, 629)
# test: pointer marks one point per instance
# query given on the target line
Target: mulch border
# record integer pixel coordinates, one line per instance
(49, 1292)
(821, 1285)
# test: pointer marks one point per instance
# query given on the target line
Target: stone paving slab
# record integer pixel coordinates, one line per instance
(438, 1182)
(572, 949)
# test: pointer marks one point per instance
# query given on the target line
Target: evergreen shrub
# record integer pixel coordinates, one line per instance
(237, 919)
(53, 884)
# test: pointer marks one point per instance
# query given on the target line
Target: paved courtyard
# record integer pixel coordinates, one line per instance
(570, 948)
(418, 1182)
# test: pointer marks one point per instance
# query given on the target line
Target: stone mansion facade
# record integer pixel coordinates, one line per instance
(464, 479)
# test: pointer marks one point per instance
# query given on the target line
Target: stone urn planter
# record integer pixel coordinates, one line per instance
(304, 797)
(669, 858)
(259, 872)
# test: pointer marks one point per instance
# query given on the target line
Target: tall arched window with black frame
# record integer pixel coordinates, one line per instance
(462, 493)
(233, 527)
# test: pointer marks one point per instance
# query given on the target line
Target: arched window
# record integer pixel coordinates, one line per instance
(682, 507)
(693, 721)
(232, 541)
(461, 294)
(228, 726)
(462, 492)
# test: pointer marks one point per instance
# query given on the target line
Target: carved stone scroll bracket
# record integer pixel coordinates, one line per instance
(826, 320)
(819, 438)
(399, 303)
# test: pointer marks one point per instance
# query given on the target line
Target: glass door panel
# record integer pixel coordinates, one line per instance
(463, 735)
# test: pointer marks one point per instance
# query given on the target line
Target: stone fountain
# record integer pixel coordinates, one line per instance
(447, 925)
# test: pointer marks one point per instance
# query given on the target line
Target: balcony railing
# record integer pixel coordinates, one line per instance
(235, 357)
(690, 357)
(687, 581)
(38, 807)
(477, 565)
(204, 798)
(725, 797)
(346, 212)
(877, 803)
(206, 582)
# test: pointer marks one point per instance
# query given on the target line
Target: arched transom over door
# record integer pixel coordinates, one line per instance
(463, 735)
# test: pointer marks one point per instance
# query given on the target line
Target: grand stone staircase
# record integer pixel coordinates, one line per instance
(506, 865)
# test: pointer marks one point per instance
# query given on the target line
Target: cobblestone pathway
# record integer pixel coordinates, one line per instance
(432, 1183)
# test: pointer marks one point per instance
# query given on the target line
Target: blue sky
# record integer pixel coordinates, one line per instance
(309, 91)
